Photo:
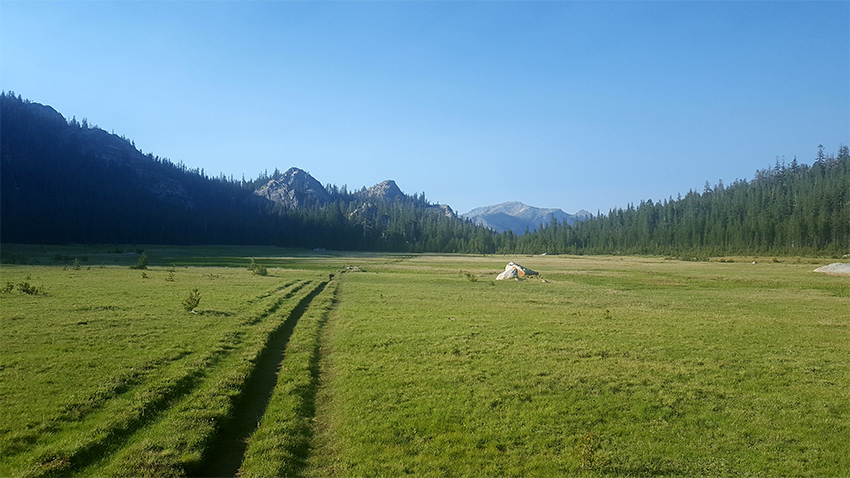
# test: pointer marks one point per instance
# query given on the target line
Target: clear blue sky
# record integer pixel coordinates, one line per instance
(556, 104)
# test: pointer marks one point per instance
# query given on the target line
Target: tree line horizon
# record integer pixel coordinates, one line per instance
(65, 181)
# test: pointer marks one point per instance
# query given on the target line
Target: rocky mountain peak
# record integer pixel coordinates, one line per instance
(295, 188)
(386, 190)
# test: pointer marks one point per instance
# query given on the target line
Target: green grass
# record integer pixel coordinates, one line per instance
(175, 444)
(280, 445)
(195, 256)
(420, 365)
(674, 368)
(104, 354)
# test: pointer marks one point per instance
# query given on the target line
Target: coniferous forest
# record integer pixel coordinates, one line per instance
(66, 181)
(791, 209)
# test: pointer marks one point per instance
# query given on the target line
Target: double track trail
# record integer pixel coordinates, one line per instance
(227, 452)
(187, 412)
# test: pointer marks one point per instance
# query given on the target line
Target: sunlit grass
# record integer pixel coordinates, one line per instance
(674, 368)
(425, 365)
(281, 444)
(104, 350)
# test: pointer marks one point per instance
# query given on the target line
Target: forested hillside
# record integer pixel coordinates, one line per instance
(71, 182)
(789, 209)
(65, 181)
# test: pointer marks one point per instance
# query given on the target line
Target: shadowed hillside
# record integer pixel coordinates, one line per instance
(66, 181)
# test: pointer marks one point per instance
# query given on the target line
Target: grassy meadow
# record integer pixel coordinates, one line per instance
(104, 372)
(388, 365)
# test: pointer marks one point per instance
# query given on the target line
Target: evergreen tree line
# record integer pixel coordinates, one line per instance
(66, 181)
(354, 223)
(791, 209)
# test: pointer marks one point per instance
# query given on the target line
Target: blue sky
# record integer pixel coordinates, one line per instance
(567, 104)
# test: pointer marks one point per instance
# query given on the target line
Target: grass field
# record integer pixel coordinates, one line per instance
(386, 365)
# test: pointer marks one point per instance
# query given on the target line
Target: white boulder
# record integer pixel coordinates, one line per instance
(836, 269)
(514, 270)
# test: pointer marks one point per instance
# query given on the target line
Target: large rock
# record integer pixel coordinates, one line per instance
(509, 273)
(514, 270)
(443, 209)
(835, 269)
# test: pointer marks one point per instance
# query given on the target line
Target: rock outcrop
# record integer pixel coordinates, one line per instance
(515, 271)
(384, 191)
(296, 188)
(443, 209)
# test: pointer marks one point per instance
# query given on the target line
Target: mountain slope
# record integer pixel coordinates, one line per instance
(517, 217)
(67, 182)
(63, 181)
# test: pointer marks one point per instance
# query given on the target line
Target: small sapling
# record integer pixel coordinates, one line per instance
(192, 301)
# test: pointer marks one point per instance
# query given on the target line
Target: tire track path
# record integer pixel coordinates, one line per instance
(226, 455)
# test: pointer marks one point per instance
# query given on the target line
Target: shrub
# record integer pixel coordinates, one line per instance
(258, 269)
(142, 263)
(469, 276)
(27, 288)
(192, 301)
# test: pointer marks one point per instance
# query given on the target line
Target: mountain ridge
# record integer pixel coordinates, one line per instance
(65, 181)
(296, 188)
(518, 217)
